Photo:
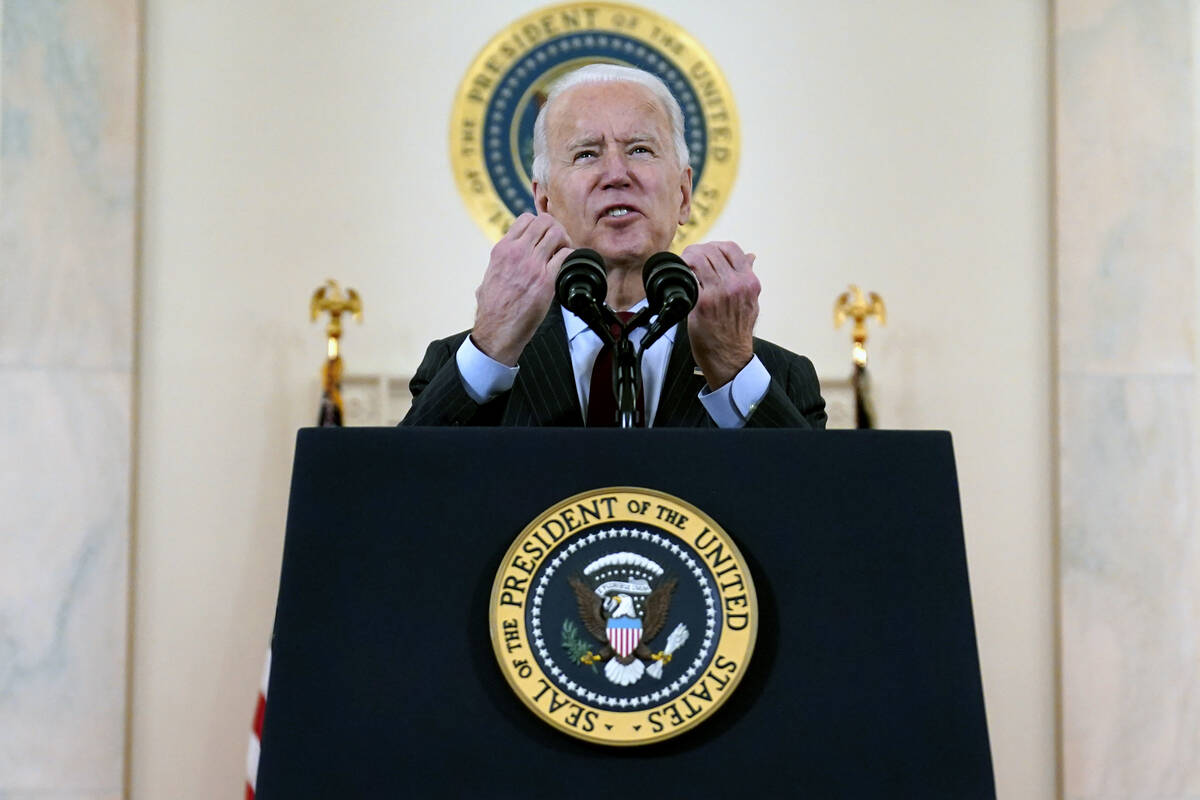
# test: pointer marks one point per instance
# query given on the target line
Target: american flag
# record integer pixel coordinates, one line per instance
(256, 730)
(329, 416)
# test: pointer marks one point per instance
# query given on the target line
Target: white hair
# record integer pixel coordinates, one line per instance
(607, 73)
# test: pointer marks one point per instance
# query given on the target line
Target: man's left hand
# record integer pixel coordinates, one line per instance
(721, 326)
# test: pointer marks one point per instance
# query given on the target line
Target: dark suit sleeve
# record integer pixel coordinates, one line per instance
(793, 400)
(438, 396)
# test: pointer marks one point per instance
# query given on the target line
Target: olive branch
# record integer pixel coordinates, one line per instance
(574, 643)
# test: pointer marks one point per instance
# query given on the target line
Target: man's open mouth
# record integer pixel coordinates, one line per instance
(617, 211)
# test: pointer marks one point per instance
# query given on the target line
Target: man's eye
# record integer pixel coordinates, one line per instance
(642, 149)
(585, 154)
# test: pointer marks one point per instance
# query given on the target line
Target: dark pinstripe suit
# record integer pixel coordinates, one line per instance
(544, 393)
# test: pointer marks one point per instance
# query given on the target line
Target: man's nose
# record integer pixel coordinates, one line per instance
(615, 168)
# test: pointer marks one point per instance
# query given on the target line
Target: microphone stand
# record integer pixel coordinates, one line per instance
(627, 380)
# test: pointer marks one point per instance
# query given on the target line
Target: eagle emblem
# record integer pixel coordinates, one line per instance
(624, 601)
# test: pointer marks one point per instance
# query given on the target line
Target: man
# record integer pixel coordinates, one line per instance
(611, 173)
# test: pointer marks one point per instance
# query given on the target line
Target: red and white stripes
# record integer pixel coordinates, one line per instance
(256, 731)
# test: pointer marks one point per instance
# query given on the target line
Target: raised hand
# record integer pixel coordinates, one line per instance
(518, 286)
(721, 326)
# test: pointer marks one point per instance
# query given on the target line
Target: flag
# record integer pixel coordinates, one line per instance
(329, 416)
(853, 304)
(256, 730)
(864, 406)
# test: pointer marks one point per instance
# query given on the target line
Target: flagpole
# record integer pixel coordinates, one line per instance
(852, 304)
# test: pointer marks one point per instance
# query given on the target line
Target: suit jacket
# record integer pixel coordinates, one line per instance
(544, 393)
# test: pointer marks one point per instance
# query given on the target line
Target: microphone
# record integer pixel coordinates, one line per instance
(672, 289)
(581, 281)
(581, 286)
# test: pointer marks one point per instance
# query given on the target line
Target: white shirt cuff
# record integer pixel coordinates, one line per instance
(483, 377)
(732, 404)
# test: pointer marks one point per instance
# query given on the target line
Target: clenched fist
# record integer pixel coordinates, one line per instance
(518, 286)
(721, 326)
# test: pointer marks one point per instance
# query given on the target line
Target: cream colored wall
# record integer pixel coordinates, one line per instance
(904, 146)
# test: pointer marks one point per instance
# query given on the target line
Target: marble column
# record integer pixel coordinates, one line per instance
(68, 166)
(1125, 110)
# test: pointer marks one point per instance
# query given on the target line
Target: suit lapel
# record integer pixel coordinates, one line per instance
(544, 392)
(679, 404)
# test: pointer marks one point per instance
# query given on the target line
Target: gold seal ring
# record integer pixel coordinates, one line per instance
(623, 616)
(491, 127)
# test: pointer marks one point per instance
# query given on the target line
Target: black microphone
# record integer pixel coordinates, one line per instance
(581, 281)
(581, 286)
(671, 289)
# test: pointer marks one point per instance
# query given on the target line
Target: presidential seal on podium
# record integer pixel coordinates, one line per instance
(491, 127)
(623, 616)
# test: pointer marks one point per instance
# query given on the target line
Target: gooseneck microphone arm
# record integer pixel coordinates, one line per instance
(628, 381)
(671, 291)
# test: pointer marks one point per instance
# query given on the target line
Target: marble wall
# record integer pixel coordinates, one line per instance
(68, 187)
(1124, 100)
(1125, 105)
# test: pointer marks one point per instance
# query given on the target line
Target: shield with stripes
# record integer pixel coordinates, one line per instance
(624, 634)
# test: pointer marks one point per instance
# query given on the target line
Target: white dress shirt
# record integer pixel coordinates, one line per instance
(484, 378)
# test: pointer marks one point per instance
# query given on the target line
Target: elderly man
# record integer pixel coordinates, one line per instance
(611, 173)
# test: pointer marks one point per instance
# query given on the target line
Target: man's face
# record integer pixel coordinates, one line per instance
(614, 180)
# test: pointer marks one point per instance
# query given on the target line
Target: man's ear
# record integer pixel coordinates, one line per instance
(541, 201)
(685, 203)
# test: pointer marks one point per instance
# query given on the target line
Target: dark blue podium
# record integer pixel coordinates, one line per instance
(864, 681)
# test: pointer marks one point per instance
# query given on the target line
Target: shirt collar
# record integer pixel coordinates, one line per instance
(576, 326)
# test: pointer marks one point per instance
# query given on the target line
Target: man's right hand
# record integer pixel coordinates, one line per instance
(518, 286)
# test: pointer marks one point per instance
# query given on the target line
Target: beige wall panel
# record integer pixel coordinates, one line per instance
(903, 146)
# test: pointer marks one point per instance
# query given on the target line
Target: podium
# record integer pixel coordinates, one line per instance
(864, 681)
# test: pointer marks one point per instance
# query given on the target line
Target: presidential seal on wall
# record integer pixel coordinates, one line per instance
(491, 128)
(623, 616)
